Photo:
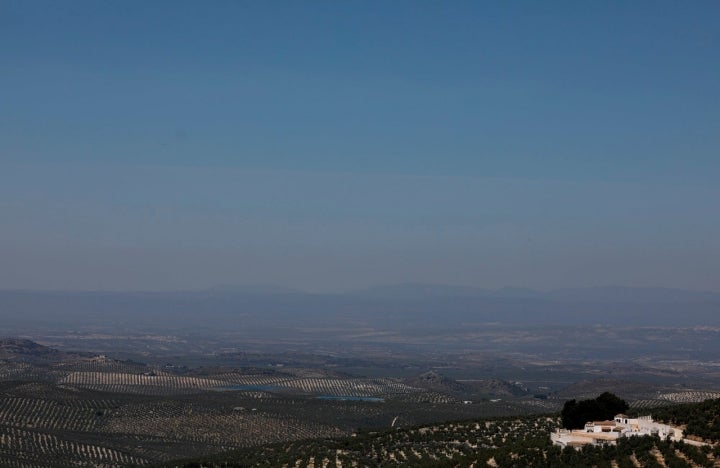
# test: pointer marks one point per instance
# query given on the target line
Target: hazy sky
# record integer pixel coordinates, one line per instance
(334, 145)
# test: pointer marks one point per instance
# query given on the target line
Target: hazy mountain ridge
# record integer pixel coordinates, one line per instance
(386, 307)
(13, 346)
(599, 293)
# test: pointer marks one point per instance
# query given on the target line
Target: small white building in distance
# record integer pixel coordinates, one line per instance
(607, 432)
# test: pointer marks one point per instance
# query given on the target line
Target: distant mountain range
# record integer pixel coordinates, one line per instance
(606, 293)
(421, 305)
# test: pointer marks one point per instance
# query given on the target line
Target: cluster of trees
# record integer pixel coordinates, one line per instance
(575, 414)
(701, 419)
(648, 451)
(524, 442)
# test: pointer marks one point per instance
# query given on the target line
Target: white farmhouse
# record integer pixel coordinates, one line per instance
(607, 432)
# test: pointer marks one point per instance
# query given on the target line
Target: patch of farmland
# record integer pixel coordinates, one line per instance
(319, 385)
(146, 390)
(648, 403)
(45, 414)
(9, 370)
(103, 365)
(355, 387)
(113, 381)
(251, 380)
(22, 371)
(167, 384)
(65, 395)
(547, 405)
(220, 428)
(424, 396)
(21, 447)
(307, 372)
(465, 443)
(689, 396)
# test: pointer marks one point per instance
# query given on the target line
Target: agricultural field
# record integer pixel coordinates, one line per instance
(504, 442)
(84, 409)
(41, 421)
(89, 410)
(90, 428)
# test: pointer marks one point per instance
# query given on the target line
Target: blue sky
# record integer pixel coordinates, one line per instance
(335, 145)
